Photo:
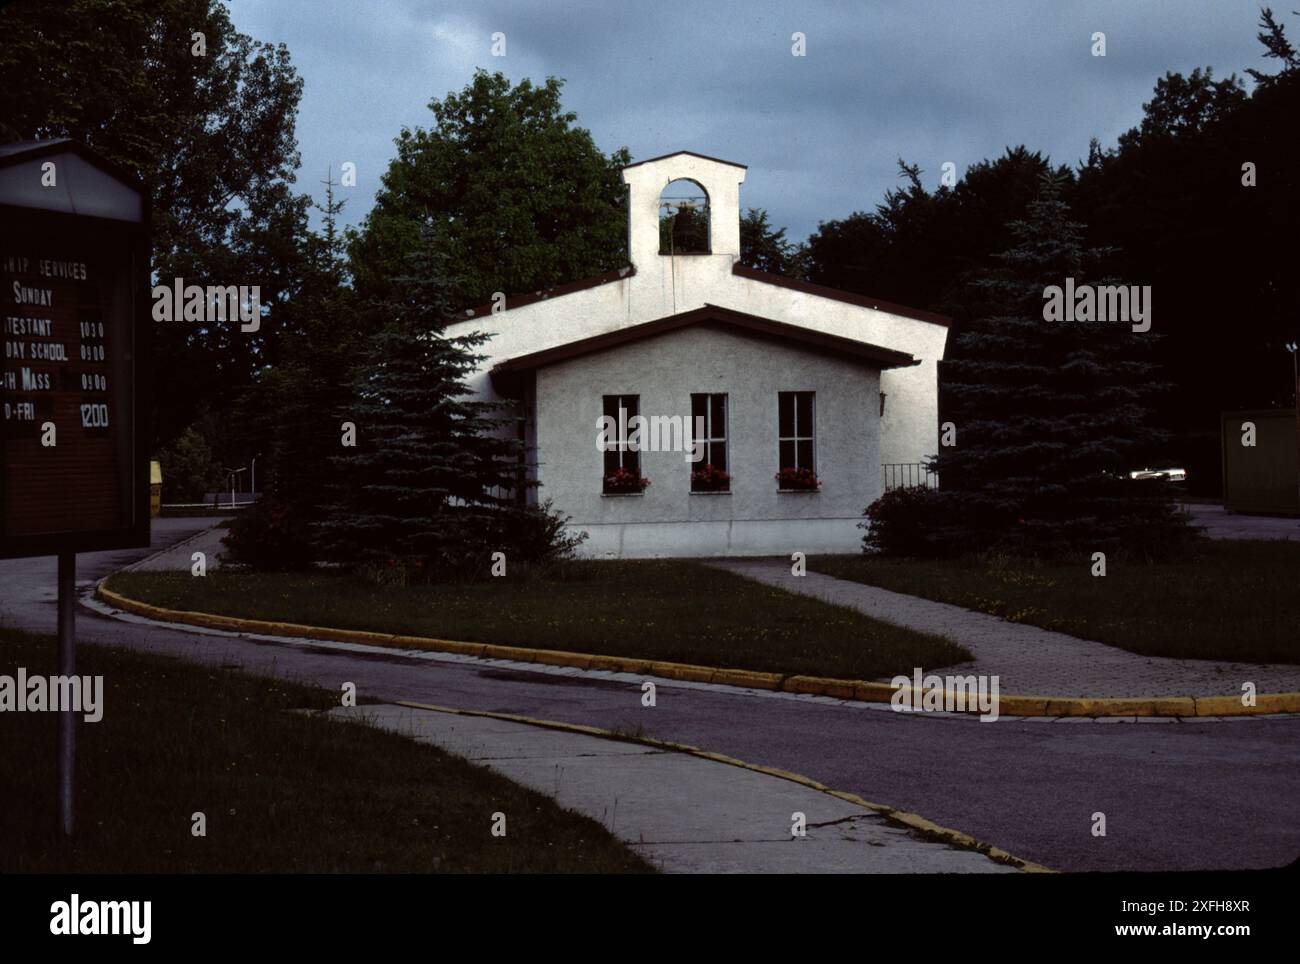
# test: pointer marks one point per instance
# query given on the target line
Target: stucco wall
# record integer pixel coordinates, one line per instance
(909, 431)
(664, 371)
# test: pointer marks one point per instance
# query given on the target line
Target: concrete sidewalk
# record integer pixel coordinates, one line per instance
(180, 557)
(1221, 524)
(1029, 661)
(683, 813)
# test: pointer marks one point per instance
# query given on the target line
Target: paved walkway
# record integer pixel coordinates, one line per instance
(1220, 524)
(180, 557)
(683, 813)
(1028, 661)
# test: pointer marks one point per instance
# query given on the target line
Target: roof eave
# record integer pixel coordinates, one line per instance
(546, 294)
(835, 294)
(703, 157)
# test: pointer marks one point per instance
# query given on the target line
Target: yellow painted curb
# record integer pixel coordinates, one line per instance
(1231, 705)
(840, 689)
(911, 820)
(858, 690)
(748, 678)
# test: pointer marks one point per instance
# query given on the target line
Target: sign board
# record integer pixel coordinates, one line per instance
(74, 328)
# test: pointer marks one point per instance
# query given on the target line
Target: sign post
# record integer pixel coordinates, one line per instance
(67, 668)
(74, 325)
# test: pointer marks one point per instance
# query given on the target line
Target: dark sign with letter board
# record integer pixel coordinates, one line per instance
(74, 324)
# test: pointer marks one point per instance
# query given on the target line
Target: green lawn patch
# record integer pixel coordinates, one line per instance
(282, 792)
(1236, 600)
(650, 609)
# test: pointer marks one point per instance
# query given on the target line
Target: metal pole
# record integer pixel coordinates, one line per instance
(1294, 349)
(67, 668)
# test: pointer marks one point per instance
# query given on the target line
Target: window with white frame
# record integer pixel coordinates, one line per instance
(618, 457)
(796, 433)
(709, 413)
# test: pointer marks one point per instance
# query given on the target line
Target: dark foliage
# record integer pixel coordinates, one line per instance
(271, 535)
(1051, 413)
(908, 522)
(435, 481)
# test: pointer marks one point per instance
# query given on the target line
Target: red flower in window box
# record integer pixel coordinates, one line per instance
(623, 481)
(798, 480)
(710, 478)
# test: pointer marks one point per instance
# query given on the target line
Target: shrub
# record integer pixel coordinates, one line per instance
(923, 522)
(270, 535)
(536, 534)
(908, 521)
(533, 539)
(188, 468)
(391, 572)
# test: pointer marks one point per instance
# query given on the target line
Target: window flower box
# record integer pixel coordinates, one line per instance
(710, 478)
(625, 482)
(791, 479)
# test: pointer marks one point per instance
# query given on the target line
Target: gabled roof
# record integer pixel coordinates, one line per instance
(706, 157)
(37, 148)
(506, 374)
(862, 301)
(16, 152)
(738, 269)
(87, 186)
(519, 300)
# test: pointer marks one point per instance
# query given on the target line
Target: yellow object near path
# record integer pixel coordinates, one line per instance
(155, 489)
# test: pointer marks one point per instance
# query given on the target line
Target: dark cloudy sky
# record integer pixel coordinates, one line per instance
(928, 80)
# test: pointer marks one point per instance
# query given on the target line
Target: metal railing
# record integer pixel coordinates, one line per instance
(902, 475)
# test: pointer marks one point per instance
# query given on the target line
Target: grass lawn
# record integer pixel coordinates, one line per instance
(1237, 600)
(664, 610)
(281, 792)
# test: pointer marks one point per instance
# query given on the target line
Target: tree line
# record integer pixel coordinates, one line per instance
(504, 191)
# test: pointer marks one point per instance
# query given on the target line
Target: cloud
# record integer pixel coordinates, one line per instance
(927, 80)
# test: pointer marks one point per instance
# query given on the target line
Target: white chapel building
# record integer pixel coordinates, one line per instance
(827, 389)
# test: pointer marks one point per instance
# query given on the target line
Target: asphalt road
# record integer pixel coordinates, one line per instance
(1176, 796)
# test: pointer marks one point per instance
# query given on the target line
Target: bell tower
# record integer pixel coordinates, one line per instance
(646, 180)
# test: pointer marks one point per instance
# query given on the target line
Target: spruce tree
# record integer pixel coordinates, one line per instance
(1050, 415)
(295, 407)
(427, 486)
